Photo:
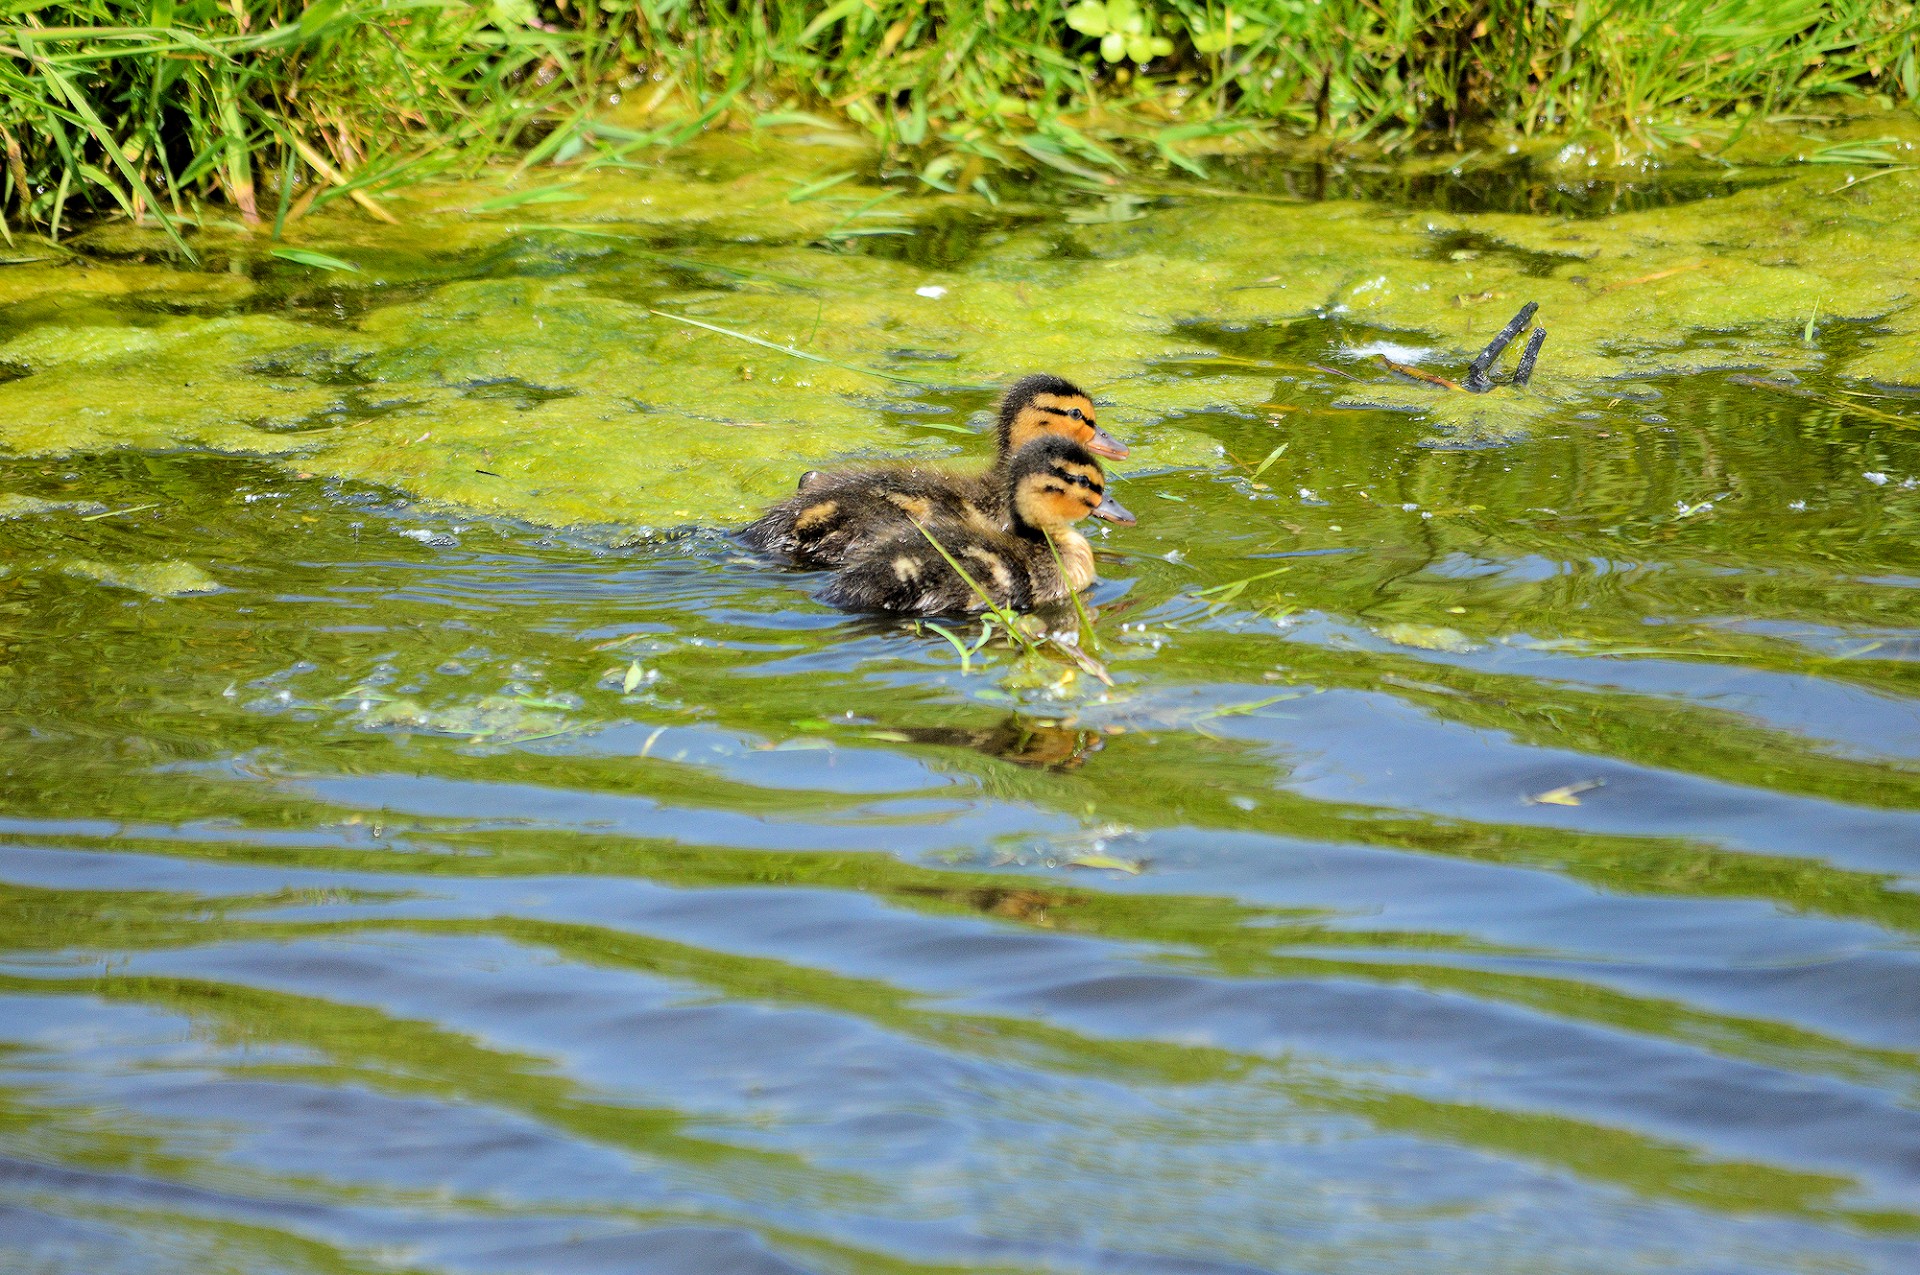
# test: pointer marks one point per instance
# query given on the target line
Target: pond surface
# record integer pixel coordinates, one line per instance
(427, 843)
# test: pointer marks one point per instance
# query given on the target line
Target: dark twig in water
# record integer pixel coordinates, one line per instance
(1417, 374)
(1524, 373)
(1477, 379)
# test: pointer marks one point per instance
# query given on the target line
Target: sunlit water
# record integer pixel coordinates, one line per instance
(1516, 873)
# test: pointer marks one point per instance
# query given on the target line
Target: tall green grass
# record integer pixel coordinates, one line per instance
(1007, 80)
(155, 106)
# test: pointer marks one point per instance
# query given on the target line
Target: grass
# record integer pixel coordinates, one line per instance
(155, 107)
(159, 108)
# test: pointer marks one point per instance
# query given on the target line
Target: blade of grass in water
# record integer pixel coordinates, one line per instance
(1079, 607)
(318, 260)
(1007, 619)
(562, 193)
(953, 639)
(803, 354)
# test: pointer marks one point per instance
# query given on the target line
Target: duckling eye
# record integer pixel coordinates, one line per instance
(1077, 414)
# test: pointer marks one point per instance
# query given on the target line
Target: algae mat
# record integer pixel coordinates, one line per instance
(503, 363)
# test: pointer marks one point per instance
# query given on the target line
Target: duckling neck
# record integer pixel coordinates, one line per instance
(1076, 558)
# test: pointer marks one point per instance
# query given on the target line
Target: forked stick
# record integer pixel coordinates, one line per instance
(1477, 379)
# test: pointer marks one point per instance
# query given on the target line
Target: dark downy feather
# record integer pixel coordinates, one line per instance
(906, 575)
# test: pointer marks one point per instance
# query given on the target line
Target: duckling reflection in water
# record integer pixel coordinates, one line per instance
(1024, 741)
(1039, 558)
(836, 515)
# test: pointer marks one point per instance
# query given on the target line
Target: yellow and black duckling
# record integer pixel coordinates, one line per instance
(1049, 485)
(834, 516)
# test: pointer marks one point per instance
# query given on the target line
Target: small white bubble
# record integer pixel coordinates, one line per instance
(1875, 477)
(932, 290)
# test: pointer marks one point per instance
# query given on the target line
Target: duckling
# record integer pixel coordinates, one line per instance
(1049, 485)
(833, 516)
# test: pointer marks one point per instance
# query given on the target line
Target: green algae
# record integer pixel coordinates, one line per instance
(14, 505)
(496, 719)
(170, 579)
(612, 415)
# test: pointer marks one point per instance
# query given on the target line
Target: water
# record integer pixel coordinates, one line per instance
(1516, 873)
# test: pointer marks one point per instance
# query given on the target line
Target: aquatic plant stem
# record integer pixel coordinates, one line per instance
(791, 352)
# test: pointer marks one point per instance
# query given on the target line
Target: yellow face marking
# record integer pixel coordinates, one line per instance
(1046, 501)
(914, 506)
(906, 570)
(1053, 414)
(814, 515)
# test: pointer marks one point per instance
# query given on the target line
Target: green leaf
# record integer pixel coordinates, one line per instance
(1128, 866)
(835, 13)
(561, 194)
(1089, 17)
(813, 188)
(1113, 47)
(511, 14)
(635, 676)
(966, 653)
(318, 260)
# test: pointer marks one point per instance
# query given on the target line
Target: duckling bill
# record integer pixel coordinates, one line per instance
(1038, 558)
(837, 515)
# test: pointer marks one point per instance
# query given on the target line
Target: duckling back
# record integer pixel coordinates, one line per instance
(834, 517)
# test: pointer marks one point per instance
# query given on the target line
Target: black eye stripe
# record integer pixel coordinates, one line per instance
(1066, 475)
(1071, 413)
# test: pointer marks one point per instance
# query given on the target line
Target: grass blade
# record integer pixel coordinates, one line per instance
(790, 352)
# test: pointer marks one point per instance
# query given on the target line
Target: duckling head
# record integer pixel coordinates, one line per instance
(1042, 405)
(1055, 482)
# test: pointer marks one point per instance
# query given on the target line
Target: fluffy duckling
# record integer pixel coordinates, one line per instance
(834, 516)
(1049, 485)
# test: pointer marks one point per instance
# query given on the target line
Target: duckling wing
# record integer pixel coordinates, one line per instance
(835, 516)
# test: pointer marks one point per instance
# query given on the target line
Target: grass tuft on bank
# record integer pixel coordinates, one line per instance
(156, 107)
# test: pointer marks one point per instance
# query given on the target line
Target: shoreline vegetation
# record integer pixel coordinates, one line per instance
(160, 109)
